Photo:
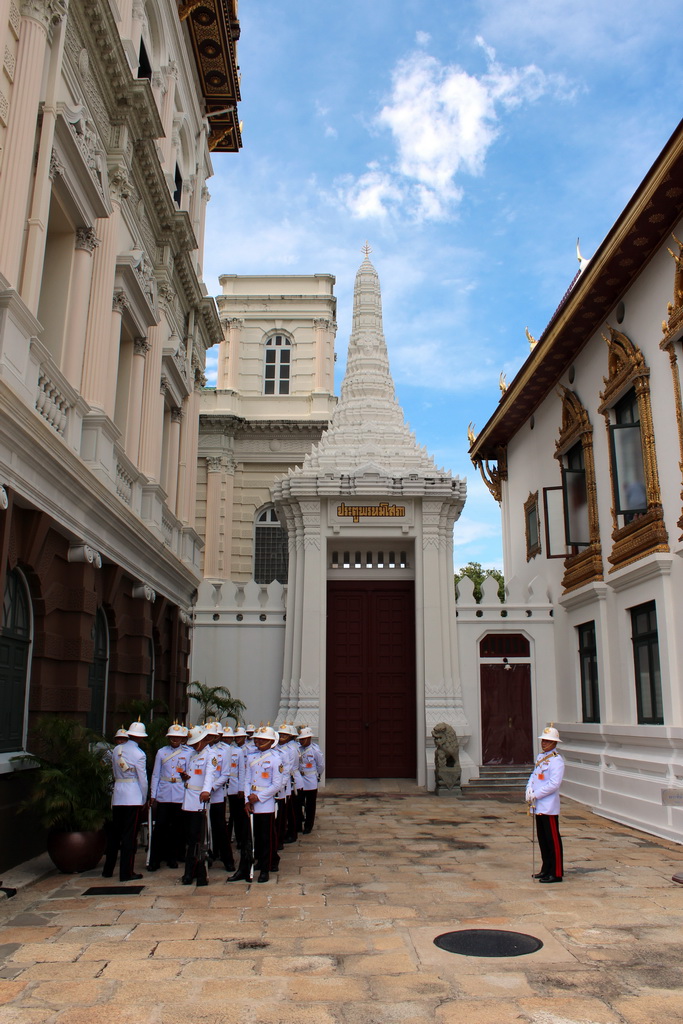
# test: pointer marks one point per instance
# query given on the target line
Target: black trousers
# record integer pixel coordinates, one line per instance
(550, 842)
(265, 842)
(219, 836)
(281, 822)
(167, 841)
(238, 818)
(195, 865)
(309, 802)
(123, 836)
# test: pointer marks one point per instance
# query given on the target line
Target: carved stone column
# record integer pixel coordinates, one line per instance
(167, 111)
(77, 313)
(137, 379)
(17, 169)
(118, 307)
(229, 355)
(97, 365)
(151, 426)
(322, 327)
(171, 482)
(212, 540)
(187, 466)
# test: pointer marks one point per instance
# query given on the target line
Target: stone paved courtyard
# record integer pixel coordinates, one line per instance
(344, 934)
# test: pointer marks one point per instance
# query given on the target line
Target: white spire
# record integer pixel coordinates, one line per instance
(367, 426)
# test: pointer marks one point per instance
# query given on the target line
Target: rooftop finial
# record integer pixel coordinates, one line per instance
(367, 249)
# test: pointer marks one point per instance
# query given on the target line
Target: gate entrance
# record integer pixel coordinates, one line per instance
(371, 696)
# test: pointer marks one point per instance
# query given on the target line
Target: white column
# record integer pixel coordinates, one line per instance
(137, 379)
(17, 169)
(171, 483)
(119, 305)
(232, 356)
(313, 617)
(214, 479)
(152, 422)
(77, 311)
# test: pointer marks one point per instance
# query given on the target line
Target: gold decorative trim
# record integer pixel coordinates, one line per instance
(531, 508)
(493, 476)
(674, 322)
(584, 566)
(627, 369)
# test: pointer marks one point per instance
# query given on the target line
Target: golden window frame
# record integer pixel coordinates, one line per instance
(584, 566)
(628, 370)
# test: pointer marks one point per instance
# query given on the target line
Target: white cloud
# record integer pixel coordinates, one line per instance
(443, 122)
(422, 38)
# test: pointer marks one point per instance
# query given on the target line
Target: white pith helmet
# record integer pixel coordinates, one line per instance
(305, 731)
(239, 731)
(288, 729)
(251, 729)
(177, 730)
(227, 731)
(266, 732)
(121, 734)
(550, 734)
(196, 734)
(137, 729)
(214, 728)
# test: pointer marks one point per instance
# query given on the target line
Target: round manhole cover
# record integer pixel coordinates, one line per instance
(487, 942)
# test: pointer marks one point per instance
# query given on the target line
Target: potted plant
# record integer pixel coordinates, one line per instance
(215, 701)
(71, 792)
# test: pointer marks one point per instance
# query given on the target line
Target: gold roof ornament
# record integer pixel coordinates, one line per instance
(366, 249)
(502, 383)
(583, 262)
(533, 342)
(471, 436)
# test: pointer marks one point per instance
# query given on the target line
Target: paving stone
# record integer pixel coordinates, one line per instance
(571, 1009)
(422, 985)
(127, 949)
(148, 970)
(61, 971)
(379, 963)
(106, 1013)
(328, 990)
(175, 932)
(19, 934)
(72, 993)
(189, 949)
(55, 951)
(230, 967)
(9, 990)
(288, 965)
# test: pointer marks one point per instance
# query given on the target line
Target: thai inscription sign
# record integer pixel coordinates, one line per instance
(382, 511)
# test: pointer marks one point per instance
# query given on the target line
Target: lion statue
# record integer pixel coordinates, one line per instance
(446, 756)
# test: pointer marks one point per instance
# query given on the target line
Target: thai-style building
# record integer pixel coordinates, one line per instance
(109, 115)
(584, 454)
(357, 637)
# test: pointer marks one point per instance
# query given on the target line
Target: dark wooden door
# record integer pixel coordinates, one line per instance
(371, 725)
(506, 728)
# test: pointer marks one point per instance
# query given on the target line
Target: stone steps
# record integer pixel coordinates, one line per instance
(498, 782)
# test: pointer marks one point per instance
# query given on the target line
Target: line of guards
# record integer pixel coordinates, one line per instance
(267, 781)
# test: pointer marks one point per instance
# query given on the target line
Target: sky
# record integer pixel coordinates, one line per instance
(470, 142)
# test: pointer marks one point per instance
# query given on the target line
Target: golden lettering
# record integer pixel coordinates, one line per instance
(382, 511)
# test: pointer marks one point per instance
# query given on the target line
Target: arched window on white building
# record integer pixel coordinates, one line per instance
(271, 557)
(278, 365)
(16, 633)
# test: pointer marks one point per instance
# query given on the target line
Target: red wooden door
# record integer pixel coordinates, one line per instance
(371, 679)
(506, 728)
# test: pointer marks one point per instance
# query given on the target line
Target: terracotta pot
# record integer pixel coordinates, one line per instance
(76, 851)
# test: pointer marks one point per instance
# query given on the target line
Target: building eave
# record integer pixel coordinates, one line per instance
(652, 212)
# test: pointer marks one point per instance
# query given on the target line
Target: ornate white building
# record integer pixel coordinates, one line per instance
(107, 126)
(584, 454)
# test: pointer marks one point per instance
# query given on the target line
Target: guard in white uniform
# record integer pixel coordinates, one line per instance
(198, 779)
(238, 764)
(311, 767)
(543, 797)
(263, 780)
(167, 791)
(221, 764)
(129, 766)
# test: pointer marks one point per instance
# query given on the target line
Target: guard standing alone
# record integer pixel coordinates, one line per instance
(543, 797)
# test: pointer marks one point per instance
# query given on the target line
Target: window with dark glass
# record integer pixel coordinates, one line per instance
(178, 194)
(144, 65)
(15, 645)
(630, 493)
(575, 496)
(646, 659)
(532, 526)
(588, 660)
(271, 557)
(277, 366)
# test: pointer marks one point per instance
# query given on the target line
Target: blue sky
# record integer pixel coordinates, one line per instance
(471, 143)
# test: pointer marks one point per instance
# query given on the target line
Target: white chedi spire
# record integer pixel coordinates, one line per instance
(368, 427)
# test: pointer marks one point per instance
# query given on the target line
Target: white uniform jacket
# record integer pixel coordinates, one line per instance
(264, 777)
(220, 759)
(129, 766)
(236, 766)
(201, 772)
(166, 785)
(311, 765)
(288, 756)
(543, 787)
